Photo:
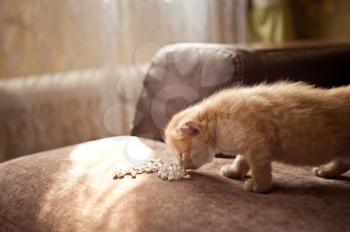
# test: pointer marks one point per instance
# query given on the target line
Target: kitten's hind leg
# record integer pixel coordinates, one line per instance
(237, 170)
(332, 170)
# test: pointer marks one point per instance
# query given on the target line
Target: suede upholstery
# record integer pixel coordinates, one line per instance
(71, 189)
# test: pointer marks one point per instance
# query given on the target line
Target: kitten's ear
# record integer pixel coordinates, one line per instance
(190, 128)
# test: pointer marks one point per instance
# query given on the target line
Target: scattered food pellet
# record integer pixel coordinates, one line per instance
(165, 170)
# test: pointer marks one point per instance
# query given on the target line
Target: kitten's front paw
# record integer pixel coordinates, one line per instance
(252, 186)
(231, 172)
(324, 173)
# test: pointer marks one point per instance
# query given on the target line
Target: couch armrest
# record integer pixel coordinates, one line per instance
(182, 74)
(49, 111)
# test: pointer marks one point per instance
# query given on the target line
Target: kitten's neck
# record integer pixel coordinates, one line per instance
(212, 125)
(209, 118)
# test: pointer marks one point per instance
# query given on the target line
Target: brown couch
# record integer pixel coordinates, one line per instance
(48, 111)
(71, 188)
(183, 74)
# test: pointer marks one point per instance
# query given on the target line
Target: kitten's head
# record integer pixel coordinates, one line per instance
(190, 138)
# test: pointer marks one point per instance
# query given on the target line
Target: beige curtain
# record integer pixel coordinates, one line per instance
(43, 36)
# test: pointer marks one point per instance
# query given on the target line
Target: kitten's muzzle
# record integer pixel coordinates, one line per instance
(189, 165)
(185, 163)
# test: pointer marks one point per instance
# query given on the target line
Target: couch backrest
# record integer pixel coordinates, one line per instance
(183, 74)
(43, 112)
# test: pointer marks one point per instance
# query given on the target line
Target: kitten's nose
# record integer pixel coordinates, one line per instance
(181, 163)
(180, 160)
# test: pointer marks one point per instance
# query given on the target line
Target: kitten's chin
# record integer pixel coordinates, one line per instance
(191, 166)
(197, 164)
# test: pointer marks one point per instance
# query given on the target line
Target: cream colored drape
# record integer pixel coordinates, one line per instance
(44, 36)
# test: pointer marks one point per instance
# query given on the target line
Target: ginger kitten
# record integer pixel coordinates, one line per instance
(293, 123)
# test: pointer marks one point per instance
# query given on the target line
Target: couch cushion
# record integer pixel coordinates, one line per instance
(71, 189)
(181, 75)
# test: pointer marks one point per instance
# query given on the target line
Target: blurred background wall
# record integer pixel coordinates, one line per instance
(325, 19)
(45, 36)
